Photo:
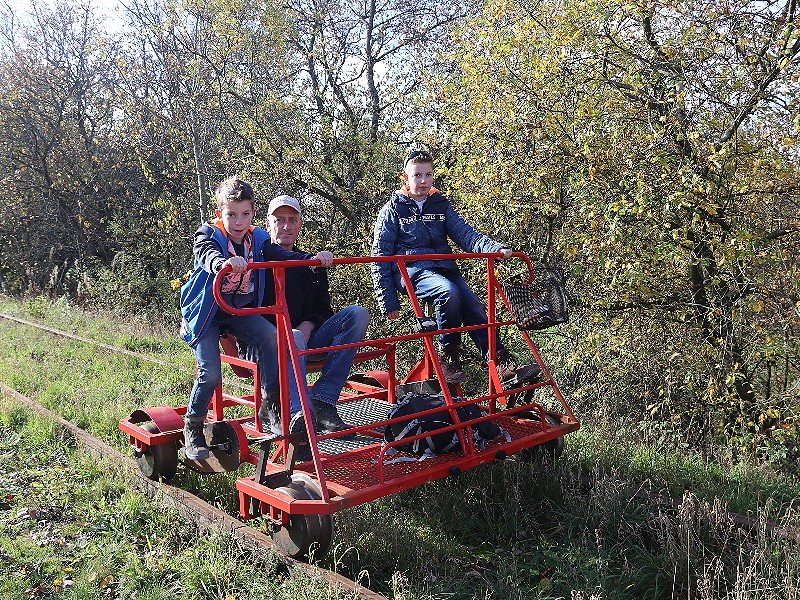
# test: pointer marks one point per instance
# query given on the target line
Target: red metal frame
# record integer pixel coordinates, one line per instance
(361, 475)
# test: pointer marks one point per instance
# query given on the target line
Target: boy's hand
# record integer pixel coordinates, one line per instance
(393, 314)
(506, 252)
(238, 264)
(325, 257)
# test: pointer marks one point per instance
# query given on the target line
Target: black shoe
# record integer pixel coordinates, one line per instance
(194, 441)
(328, 418)
(302, 452)
(270, 413)
(297, 426)
(451, 365)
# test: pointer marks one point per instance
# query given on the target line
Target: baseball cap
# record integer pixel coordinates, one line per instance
(284, 200)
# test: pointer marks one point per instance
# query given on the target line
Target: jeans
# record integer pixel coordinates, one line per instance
(253, 332)
(345, 327)
(454, 303)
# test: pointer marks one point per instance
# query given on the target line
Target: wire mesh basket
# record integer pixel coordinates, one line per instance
(538, 301)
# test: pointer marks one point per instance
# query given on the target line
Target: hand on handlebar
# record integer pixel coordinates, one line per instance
(325, 257)
(506, 252)
(238, 264)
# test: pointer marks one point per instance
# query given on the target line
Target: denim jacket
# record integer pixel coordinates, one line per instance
(198, 305)
(402, 229)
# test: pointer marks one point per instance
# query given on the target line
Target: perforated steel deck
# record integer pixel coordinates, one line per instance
(359, 470)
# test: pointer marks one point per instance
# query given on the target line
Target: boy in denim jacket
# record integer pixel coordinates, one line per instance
(231, 240)
(418, 219)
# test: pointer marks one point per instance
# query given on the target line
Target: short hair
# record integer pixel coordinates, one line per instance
(234, 189)
(418, 156)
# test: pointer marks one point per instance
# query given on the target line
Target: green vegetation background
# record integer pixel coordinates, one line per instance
(603, 522)
(649, 148)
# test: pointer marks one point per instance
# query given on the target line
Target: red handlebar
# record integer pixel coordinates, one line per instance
(283, 264)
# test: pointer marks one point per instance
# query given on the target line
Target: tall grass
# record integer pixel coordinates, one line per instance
(70, 527)
(595, 526)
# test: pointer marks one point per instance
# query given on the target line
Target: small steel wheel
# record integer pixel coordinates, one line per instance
(160, 461)
(325, 521)
(305, 534)
(225, 444)
(544, 453)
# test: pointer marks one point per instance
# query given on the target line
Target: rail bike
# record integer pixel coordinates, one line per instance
(299, 482)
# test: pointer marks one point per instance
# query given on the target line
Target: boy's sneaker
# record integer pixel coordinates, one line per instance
(510, 372)
(328, 418)
(270, 413)
(297, 426)
(451, 365)
(194, 442)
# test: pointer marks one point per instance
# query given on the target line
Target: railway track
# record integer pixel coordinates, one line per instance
(194, 509)
(745, 521)
(199, 512)
(85, 340)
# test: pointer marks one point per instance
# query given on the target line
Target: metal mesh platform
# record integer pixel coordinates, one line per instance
(358, 412)
(345, 444)
(365, 411)
(358, 470)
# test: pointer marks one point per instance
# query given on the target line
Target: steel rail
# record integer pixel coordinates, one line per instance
(192, 508)
(86, 340)
(742, 520)
(196, 510)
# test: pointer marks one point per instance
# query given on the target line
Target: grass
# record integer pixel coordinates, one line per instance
(509, 530)
(70, 527)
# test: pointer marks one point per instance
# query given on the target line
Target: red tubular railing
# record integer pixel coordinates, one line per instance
(290, 353)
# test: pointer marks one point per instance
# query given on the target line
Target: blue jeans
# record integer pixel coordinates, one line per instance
(454, 303)
(252, 331)
(345, 327)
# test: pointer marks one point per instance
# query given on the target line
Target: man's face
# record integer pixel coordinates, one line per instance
(284, 225)
(237, 217)
(419, 178)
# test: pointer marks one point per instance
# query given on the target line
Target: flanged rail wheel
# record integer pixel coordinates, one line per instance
(547, 452)
(305, 534)
(160, 461)
(225, 443)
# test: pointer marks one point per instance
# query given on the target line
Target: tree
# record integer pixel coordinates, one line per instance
(57, 146)
(654, 147)
(309, 99)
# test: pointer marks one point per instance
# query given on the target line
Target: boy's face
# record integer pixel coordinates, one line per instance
(419, 179)
(237, 217)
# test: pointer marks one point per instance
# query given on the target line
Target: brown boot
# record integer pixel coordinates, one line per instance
(451, 365)
(511, 372)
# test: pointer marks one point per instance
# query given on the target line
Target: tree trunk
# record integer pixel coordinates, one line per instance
(200, 167)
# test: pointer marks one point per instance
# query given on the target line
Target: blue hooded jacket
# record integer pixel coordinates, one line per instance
(402, 228)
(198, 305)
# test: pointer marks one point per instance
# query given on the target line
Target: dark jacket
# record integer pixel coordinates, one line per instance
(198, 305)
(402, 228)
(307, 295)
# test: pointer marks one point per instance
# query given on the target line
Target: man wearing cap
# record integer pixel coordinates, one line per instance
(309, 302)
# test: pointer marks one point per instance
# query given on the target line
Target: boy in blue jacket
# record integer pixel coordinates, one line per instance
(231, 239)
(418, 219)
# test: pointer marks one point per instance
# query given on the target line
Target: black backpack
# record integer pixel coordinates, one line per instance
(435, 443)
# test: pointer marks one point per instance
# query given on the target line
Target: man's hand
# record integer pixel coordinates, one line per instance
(306, 327)
(506, 252)
(393, 314)
(238, 264)
(325, 257)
